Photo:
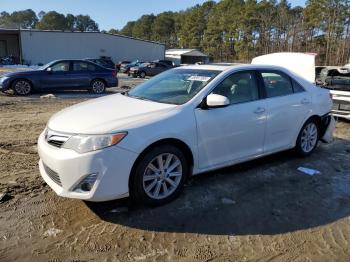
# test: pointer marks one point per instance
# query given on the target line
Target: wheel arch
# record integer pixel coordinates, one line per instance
(166, 141)
(22, 78)
(322, 123)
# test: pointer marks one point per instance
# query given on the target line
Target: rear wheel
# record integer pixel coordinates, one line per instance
(98, 86)
(142, 74)
(159, 175)
(22, 87)
(308, 138)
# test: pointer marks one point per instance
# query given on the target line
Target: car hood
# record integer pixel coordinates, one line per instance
(21, 73)
(302, 64)
(107, 114)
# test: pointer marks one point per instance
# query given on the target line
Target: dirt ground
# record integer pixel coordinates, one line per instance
(262, 210)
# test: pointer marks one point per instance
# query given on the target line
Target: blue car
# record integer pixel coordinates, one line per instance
(61, 74)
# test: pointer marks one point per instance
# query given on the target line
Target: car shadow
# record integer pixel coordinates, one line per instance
(264, 196)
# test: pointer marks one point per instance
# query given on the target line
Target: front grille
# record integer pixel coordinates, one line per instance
(55, 143)
(53, 175)
(55, 138)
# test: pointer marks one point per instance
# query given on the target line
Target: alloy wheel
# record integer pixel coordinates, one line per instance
(98, 87)
(162, 176)
(22, 87)
(309, 137)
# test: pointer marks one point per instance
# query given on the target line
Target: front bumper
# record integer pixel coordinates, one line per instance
(113, 166)
(5, 85)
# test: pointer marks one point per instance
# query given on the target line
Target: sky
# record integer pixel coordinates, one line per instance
(107, 13)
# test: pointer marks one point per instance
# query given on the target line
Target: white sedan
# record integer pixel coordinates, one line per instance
(186, 121)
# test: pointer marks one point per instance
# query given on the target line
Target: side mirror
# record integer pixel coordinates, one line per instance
(214, 101)
(49, 69)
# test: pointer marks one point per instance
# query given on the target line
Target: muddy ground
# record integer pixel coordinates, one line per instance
(262, 210)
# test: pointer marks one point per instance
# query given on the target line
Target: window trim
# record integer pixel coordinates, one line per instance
(253, 71)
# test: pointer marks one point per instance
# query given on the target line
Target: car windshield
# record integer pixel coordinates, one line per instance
(44, 67)
(174, 86)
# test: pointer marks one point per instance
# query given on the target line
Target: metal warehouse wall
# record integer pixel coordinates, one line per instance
(45, 46)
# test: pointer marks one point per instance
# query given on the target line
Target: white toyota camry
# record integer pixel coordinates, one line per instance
(185, 121)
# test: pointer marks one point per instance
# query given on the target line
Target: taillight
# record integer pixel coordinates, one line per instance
(114, 73)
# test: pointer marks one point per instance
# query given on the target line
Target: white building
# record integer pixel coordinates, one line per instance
(39, 47)
(186, 56)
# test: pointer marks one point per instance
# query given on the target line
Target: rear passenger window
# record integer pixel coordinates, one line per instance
(277, 84)
(82, 66)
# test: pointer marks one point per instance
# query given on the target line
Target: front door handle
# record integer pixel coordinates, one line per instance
(305, 101)
(259, 110)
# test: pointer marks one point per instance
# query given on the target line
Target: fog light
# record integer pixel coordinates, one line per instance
(86, 184)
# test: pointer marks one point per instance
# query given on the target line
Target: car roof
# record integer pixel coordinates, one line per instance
(227, 67)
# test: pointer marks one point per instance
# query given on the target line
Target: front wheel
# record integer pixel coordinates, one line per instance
(159, 175)
(142, 74)
(308, 138)
(98, 86)
(22, 87)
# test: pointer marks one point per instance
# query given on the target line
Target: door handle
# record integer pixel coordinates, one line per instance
(259, 110)
(305, 101)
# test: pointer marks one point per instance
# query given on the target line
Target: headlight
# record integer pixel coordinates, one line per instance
(87, 143)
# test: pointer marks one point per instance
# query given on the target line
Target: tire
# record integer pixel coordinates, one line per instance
(308, 138)
(22, 87)
(98, 86)
(153, 185)
(142, 74)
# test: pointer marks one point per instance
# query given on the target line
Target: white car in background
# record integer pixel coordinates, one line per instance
(185, 121)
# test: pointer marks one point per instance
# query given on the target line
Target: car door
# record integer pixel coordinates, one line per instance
(81, 74)
(57, 75)
(235, 132)
(288, 104)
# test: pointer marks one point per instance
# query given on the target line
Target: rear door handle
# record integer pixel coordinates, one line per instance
(305, 101)
(259, 110)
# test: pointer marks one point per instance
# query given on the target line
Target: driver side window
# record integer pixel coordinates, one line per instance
(60, 67)
(239, 87)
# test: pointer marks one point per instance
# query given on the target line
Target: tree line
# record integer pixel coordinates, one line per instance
(28, 19)
(238, 30)
(227, 30)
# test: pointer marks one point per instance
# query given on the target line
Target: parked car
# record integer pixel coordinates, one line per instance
(61, 74)
(149, 69)
(167, 62)
(119, 65)
(337, 80)
(183, 122)
(125, 68)
(107, 63)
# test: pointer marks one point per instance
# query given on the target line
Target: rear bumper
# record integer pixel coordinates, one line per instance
(112, 82)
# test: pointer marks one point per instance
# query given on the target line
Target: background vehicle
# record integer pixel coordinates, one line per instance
(125, 68)
(185, 121)
(105, 62)
(61, 74)
(167, 62)
(118, 65)
(337, 80)
(149, 69)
